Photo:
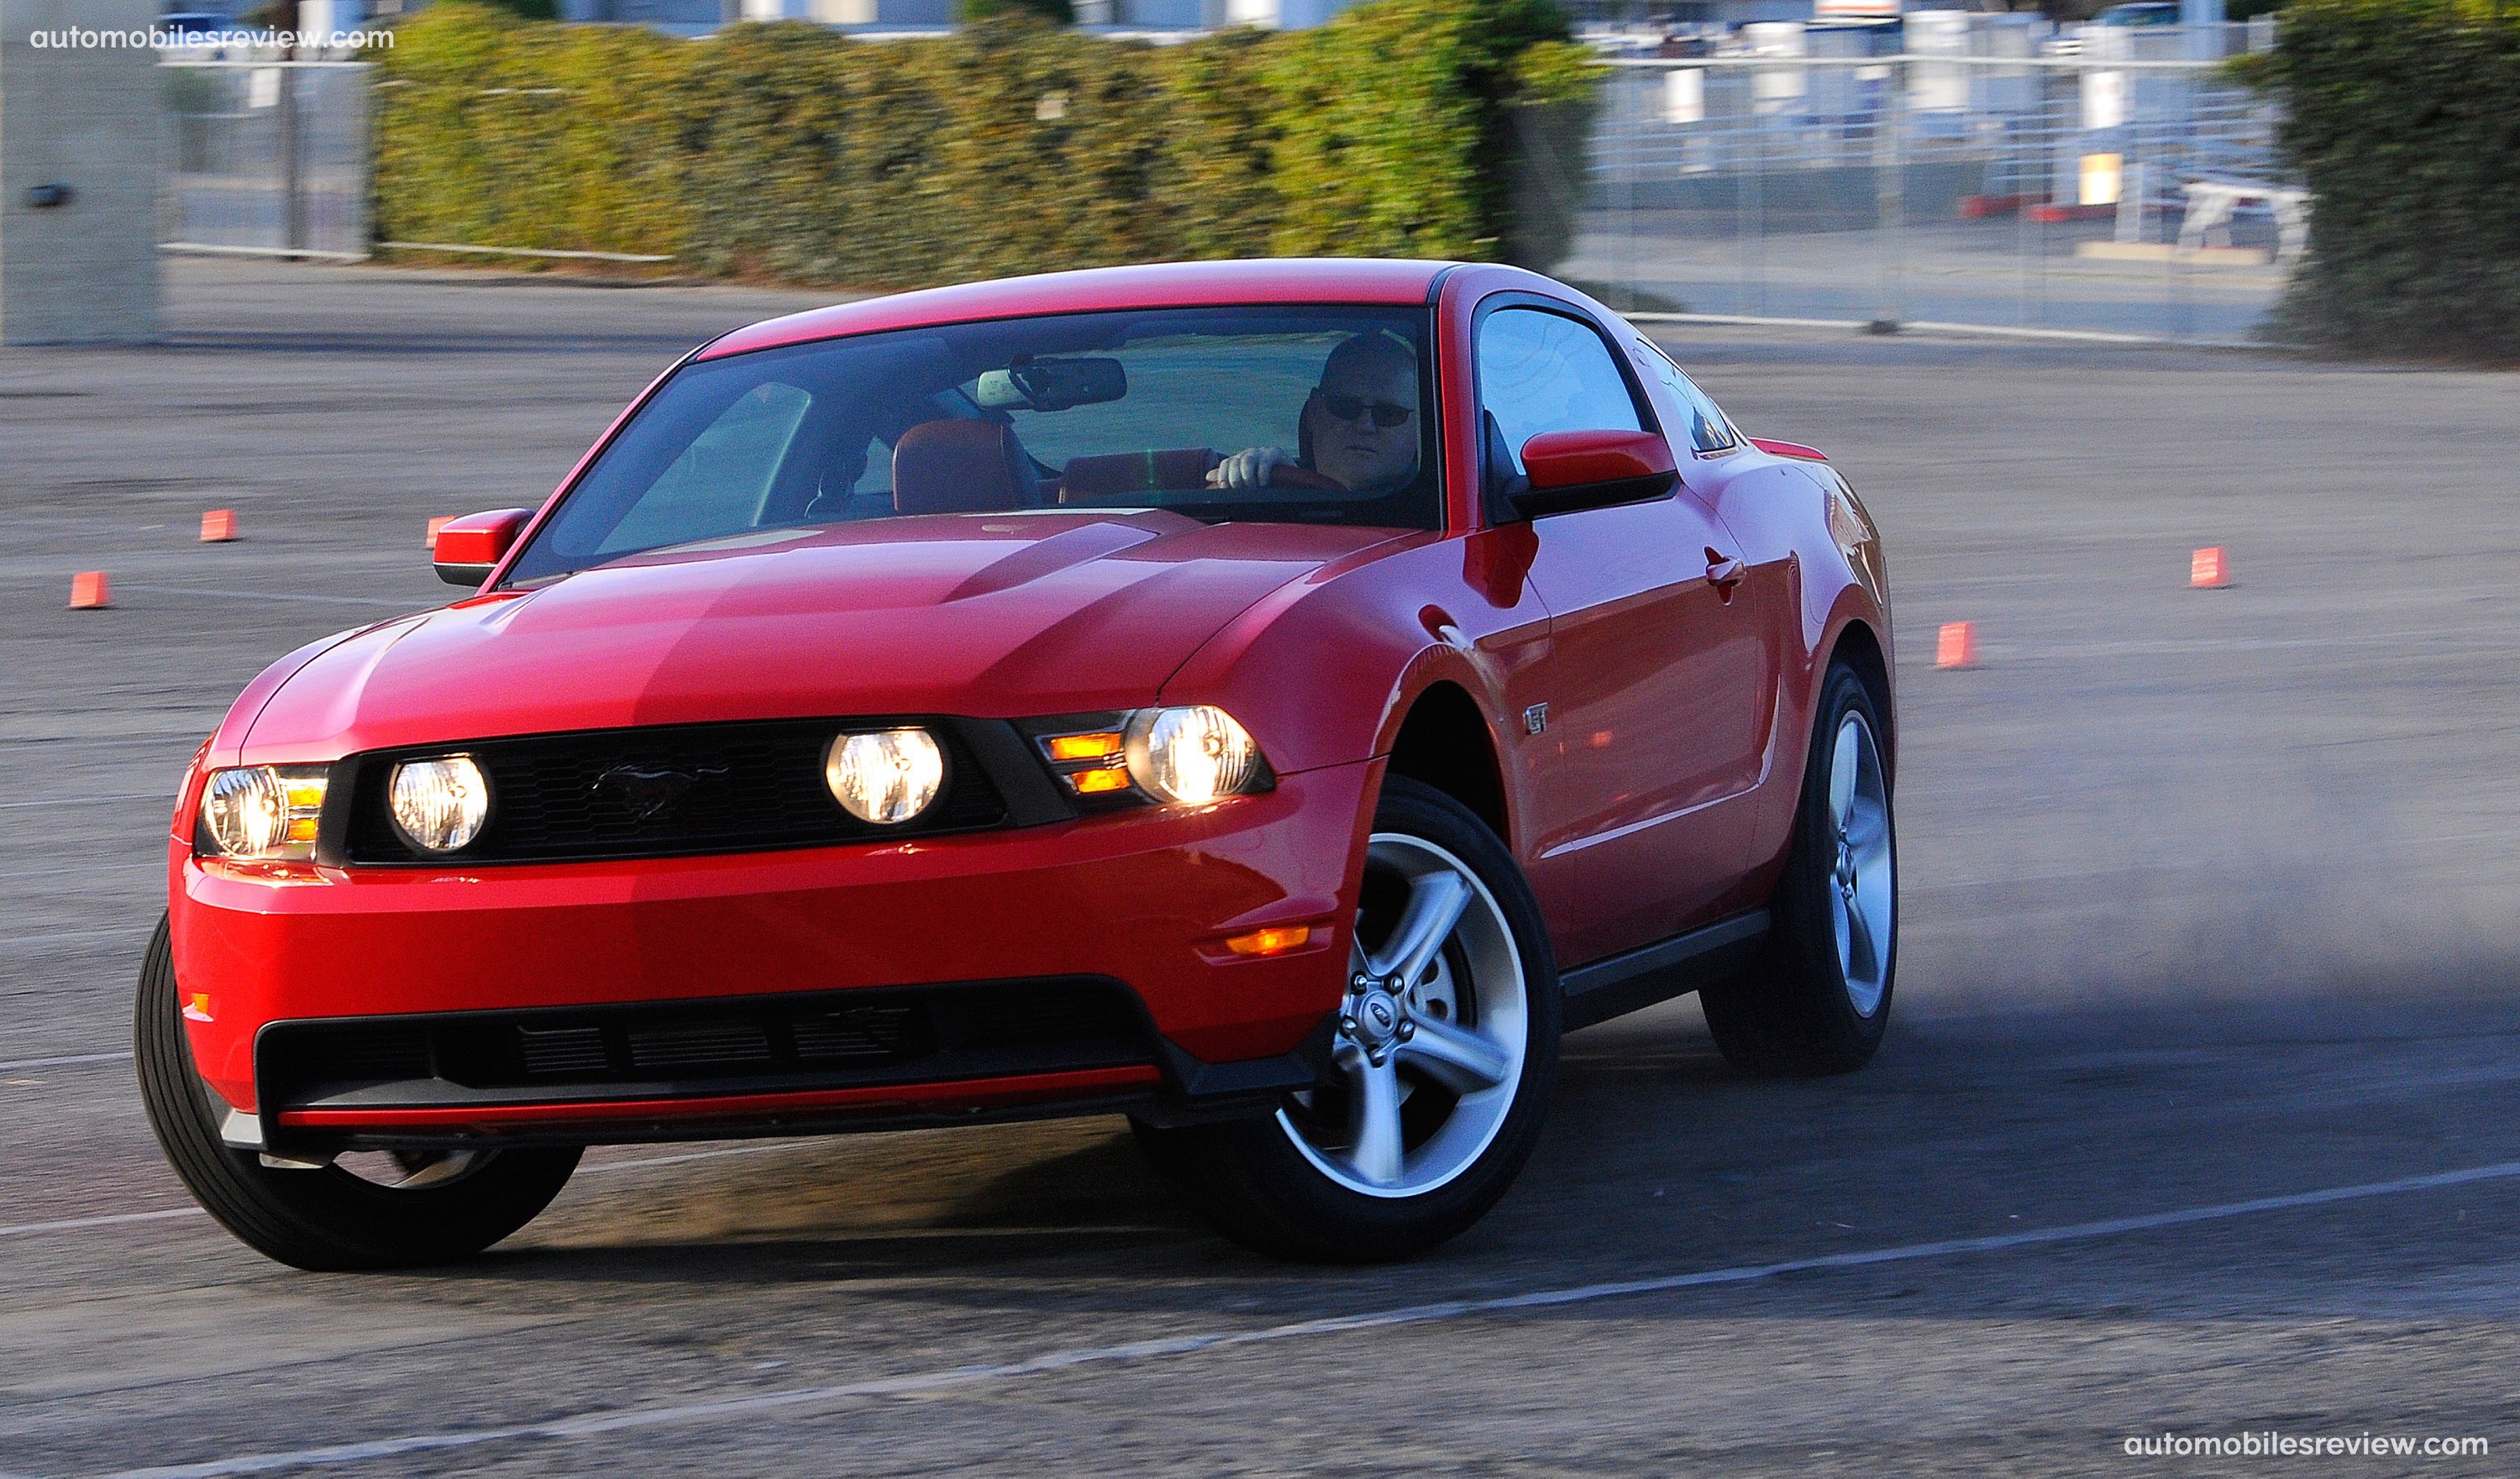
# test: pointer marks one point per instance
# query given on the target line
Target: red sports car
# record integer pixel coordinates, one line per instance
(1271, 701)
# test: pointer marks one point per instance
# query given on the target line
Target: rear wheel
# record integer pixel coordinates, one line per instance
(1447, 1046)
(371, 1210)
(1821, 1000)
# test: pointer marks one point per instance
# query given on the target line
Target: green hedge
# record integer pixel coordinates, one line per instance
(791, 152)
(2404, 118)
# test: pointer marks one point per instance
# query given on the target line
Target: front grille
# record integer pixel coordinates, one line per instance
(665, 790)
(859, 1035)
(378, 1053)
(548, 1053)
(753, 1045)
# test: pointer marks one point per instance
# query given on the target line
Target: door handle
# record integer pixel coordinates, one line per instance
(1724, 572)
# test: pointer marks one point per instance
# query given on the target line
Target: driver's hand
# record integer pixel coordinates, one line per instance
(1248, 468)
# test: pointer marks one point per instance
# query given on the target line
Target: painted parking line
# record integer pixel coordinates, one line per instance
(131, 932)
(112, 1220)
(2423, 644)
(147, 795)
(119, 1219)
(685, 1156)
(261, 596)
(88, 872)
(65, 1060)
(955, 1378)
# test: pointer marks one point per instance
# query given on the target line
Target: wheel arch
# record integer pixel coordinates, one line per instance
(1862, 649)
(1444, 742)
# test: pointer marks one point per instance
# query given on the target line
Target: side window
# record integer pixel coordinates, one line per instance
(1545, 372)
(876, 480)
(1708, 429)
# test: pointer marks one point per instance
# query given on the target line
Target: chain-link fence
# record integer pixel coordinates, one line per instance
(267, 158)
(2130, 188)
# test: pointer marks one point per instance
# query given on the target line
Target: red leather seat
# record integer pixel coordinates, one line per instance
(960, 467)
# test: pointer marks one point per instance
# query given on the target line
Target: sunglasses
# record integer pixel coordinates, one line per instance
(1356, 408)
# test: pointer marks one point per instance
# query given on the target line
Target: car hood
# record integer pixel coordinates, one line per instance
(991, 615)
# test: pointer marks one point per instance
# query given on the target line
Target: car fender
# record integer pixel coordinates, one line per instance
(1325, 671)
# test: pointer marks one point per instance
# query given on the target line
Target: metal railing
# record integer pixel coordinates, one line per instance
(266, 159)
(2027, 193)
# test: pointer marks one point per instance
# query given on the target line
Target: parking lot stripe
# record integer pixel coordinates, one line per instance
(721, 1154)
(65, 1060)
(263, 595)
(958, 1377)
(66, 937)
(74, 1223)
(160, 794)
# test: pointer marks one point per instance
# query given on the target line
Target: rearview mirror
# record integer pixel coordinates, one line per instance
(1563, 472)
(1051, 384)
(469, 548)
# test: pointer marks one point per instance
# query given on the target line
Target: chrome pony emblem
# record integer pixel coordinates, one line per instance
(650, 794)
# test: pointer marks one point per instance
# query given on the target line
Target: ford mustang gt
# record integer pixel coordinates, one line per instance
(1269, 700)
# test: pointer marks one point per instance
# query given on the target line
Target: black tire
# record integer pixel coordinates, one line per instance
(327, 1220)
(1250, 1180)
(1794, 1014)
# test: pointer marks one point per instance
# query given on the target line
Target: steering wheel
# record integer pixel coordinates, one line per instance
(1289, 476)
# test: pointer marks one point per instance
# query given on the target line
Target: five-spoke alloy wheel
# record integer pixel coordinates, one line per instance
(1820, 998)
(1436, 1017)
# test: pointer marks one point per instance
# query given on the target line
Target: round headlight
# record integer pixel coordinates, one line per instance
(439, 805)
(247, 811)
(1191, 755)
(888, 777)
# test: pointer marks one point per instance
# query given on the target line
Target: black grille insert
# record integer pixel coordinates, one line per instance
(665, 790)
(858, 1034)
(556, 1051)
(748, 1045)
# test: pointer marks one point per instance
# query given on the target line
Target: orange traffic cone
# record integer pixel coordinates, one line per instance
(219, 525)
(2208, 570)
(435, 524)
(1957, 645)
(89, 590)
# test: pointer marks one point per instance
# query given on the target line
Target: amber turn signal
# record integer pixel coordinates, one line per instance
(1273, 941)
(1102, 747)
(1095, 782)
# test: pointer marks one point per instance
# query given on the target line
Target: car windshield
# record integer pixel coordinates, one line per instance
(1296, 415)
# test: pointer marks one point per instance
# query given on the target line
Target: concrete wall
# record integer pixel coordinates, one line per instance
(87, 270)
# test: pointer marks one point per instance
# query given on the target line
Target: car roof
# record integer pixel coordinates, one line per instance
(1164, 284)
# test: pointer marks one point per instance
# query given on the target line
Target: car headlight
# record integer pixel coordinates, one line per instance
(264, 813)
(438, 805)
(886, 776)
(1191, 756)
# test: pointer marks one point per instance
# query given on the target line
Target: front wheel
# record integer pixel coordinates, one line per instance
(376, 1210)
(1821, 1000)
(1446, 1049)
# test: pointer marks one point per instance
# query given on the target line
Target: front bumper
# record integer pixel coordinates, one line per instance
(1143, 899)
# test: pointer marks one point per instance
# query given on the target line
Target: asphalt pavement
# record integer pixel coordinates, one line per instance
(2195, 1119)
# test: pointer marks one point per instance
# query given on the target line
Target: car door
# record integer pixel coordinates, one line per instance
(1648, 662)
(1738, 487)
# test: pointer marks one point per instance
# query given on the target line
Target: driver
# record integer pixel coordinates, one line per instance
(1360, 428)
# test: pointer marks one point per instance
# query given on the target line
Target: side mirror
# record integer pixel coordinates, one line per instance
(1563, 472)
(469, 548)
